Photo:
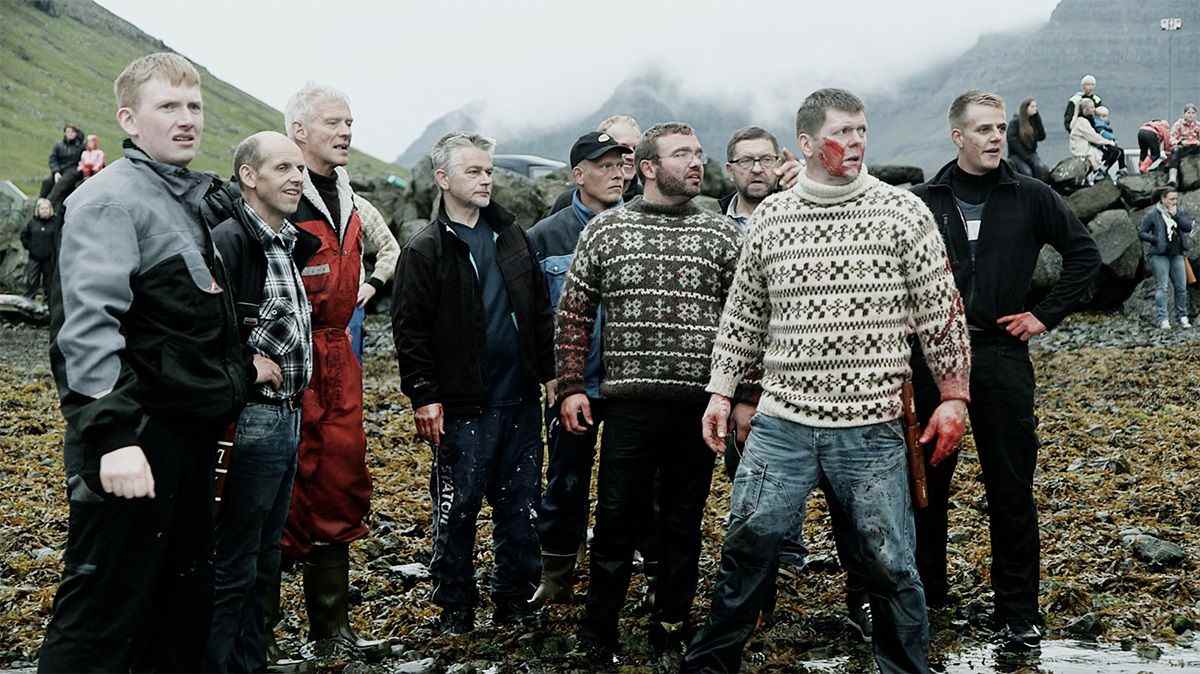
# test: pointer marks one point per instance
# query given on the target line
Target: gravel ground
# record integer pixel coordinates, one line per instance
(1116, 404)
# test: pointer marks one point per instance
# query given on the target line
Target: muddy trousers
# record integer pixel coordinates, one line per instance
(867, 470)
(135, 593)
(1004, 429)
(496, 454)
(642, 440)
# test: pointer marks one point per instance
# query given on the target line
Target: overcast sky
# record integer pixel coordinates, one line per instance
(404, 63)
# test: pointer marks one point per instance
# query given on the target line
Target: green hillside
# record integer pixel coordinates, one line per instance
(58, 59)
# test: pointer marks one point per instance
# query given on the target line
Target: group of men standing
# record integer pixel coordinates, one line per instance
(781, 329)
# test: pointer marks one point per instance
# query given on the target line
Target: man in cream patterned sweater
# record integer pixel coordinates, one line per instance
(835, 274)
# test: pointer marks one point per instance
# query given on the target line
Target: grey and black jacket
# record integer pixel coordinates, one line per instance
(141, 323)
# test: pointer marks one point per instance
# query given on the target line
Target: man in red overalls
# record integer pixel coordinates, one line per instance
(332, 491)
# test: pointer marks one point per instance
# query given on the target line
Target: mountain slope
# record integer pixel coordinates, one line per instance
(58, 61)
(1118, 41)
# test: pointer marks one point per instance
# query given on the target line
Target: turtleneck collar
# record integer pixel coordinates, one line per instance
(821, 193)
(640, 205)
(971, 188)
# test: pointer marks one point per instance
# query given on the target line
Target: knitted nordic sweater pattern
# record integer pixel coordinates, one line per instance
(831, 282)
(662, 274)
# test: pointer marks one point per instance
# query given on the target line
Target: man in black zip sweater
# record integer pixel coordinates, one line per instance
(994, 222)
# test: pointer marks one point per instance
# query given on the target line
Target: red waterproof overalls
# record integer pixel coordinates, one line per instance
(332, 492)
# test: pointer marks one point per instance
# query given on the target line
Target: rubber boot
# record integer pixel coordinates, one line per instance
(277, 660)
(327, 598)
(558, 580)
(1173, 177)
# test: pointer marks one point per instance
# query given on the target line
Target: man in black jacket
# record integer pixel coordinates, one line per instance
(145, 352)
(263, 254)
(474, 337)
(64, 166)
(994, 222)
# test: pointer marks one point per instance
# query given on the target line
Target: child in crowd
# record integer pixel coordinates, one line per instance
(92, 159)
(1100, 121)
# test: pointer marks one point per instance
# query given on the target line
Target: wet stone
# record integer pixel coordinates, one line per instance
(1086, 626)
(1149, 651)
(1155, 551)
(422, 666)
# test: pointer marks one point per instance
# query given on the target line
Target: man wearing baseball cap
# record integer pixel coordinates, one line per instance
(596, 166)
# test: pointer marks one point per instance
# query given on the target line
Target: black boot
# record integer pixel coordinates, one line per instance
(276, 659)
(327, 598)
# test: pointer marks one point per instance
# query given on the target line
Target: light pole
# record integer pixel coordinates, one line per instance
(1170, 25)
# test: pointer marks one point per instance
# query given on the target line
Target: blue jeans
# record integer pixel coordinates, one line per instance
(356, 331)
(497, 454)
(1168, 271)
(867, 470)
(254, 508)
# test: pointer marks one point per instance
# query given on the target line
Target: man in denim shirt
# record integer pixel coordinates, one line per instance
(596, 164)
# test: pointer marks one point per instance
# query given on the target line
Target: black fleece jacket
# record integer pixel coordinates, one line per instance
(1021, 215)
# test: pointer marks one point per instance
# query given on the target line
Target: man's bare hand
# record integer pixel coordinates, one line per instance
(365, 292)
(948, 423)
(1023, 326)
(266, 371)
(742, 413)
(431, 423)
(572, 406)
(551, 392)
(125, 473)
(714, 425)
(789, 170)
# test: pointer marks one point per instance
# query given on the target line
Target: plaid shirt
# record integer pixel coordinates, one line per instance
(284, 330)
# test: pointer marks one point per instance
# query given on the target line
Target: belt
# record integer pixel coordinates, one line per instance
(291, 402)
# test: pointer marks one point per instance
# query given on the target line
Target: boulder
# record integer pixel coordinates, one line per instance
(1189, 173)
(1138, 190)
(1069, 174)
(19, 309)
(552, 184)
(1140, 303)
(716, 184)
(421, 187)
(1048, 268)
(1115, 236)
(408, 228)
(1154, 551)
(1089, 202)
(707, 203)
(15, 211)
(520, 196)
(898, 175)
(1190, 202)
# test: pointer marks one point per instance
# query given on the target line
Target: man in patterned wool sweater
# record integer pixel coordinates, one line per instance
(834, 275)
(661, 267)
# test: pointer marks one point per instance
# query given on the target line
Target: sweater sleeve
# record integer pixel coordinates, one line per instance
(1084, 128)
(936, 307)
(1081, 260)
(742, 335)
(380, 241)
(576, 318)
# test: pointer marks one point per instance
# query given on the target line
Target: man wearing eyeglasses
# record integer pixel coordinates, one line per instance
(598, 167)
(661, 267)
(752, 156)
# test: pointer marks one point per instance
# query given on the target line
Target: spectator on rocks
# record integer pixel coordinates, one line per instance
(597, 166)
(1102, 154)
(1154, 141)
(1103, 124)
(1165, 228)
(64, 166)
(474, 337)
(38, 239)
(378, 240)
(625, 129)
(1025, 131)
(994, 223)
(150, 370)
(92, 158)
(331, 496)
(1088, 86)
(817, 256)
(1185, 138)
(263, 253)
(661, 267)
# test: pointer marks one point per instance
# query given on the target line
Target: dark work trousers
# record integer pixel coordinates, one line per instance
(136, 587)
(496, 454)
(1004, 428)
(563, 511)
(1149, 145)
(1180, 152)
(37, 277)
(643, 439)
(62, 189)
(254, 508)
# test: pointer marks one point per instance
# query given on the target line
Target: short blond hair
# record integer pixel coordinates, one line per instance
(168, 66)
(958, 109)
